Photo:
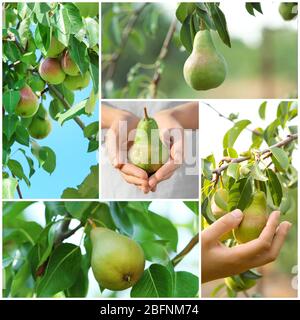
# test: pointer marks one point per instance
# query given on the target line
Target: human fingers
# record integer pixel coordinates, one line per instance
(132, 170)
(134, 180)
(162, 173)
(226, 223)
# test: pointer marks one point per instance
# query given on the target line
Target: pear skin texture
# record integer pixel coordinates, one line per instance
(219, 212)
(55, 48)
(77, 82)
(117, 262)
(205, 68)
(28, 104)
(254, 220)
(50, 70)
(288, 10)
(147, 151)
(39, 128)
(68, 65)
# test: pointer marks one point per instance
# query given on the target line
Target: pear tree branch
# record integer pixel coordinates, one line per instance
(267, 152)
(231, 120)
(194, 241)
(124, 39)
(162, 54)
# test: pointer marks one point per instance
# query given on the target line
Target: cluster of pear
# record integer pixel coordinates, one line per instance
(58, 67)
(117, 261)
(254, 220)
(148, 151)
(205, 68)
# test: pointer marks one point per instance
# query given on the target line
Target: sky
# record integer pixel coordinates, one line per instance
(72, 160)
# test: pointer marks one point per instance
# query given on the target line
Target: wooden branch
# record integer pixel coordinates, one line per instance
(279, 144)
(162, 54)
(186, 250)
(124, 39)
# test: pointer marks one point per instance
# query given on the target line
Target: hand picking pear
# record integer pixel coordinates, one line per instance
(255, 219)
(219, 203)
(205, 68)
(148, 152)
(118, 262)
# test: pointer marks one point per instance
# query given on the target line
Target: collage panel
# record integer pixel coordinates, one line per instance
(249, 198)
(50, 100)
(100, 250)
(195, 50)
(149, 149)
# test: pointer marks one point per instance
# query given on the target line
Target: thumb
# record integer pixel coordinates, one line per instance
(226, 223)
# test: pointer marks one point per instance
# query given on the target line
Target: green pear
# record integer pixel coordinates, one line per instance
(77, 82)
(28, 104)
(254, 220)
(288, 10)
(205, 68)
(55, 48)
(40, 127)
(117, 262)
(50, 70)
(219, 207)
(147, 151)
(239, 283)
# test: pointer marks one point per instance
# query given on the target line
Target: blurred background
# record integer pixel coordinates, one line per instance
(262, 62)
(280, 277)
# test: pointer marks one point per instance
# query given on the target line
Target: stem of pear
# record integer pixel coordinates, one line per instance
(146, 114)
(92, 223)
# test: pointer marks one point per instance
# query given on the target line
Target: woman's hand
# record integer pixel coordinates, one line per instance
(122, 124)
(220, 261)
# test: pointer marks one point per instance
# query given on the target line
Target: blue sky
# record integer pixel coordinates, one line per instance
(72, 160)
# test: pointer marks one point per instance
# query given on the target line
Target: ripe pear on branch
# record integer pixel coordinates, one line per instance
(148, 152)
(28, 104)
(254, 220)
(118, 262)
(205, 68)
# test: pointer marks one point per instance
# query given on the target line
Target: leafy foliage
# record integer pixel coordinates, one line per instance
(40, 260)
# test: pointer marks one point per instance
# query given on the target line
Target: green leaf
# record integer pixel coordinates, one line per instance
(262, 110)
(220, 23)
(22, 135)
(240, 194)
(62, 270)
(92, 28)
(156, 282)
(10, 123)
(17, 170)
(186, 285)
(233, 133)
(120, 217)
(233, 170)
(193, 205)
(185, 35)
(10, 100)
(91, 129)
(78, 209)
(280, 158)
(275, 187)
(257, 173)
(22, 285)
(9, 187)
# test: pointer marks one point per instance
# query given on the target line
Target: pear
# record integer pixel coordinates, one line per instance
(239, 283)
(205, 68)
(288, 10)
(147, 151)
(219, 203)
(254, 220)
(117, 262)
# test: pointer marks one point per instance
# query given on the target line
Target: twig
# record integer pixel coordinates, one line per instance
(162, 54)
(124, 39)
(185, 250)
(231, 120)
(66, 105)
(279, 144)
